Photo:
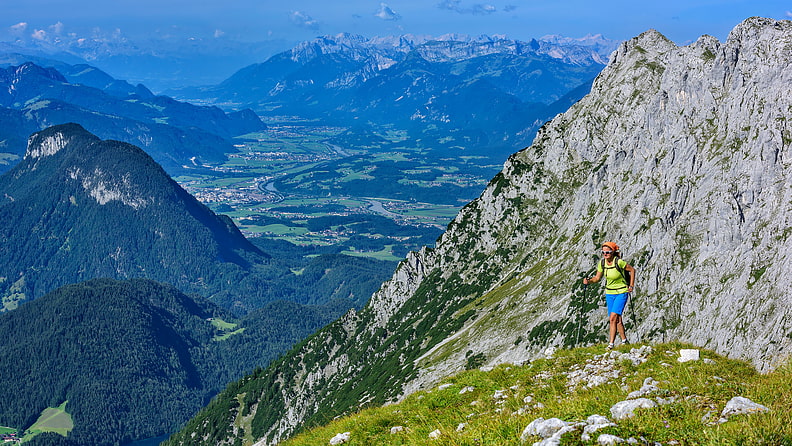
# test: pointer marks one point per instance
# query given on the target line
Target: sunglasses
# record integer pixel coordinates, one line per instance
(607, 252)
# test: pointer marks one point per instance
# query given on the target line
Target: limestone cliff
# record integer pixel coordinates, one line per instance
(679, 154)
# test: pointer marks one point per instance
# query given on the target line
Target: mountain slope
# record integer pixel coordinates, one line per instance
(133, 359)
(77, 207)
(118, 352)
(680, 154)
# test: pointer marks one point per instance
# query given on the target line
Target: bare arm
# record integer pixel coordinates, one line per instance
(594, 279)
(630, 270)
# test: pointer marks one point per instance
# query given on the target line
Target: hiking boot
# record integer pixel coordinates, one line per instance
(610, 346)
(625, 341)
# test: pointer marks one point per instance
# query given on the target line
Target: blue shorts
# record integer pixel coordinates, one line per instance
(616, 302)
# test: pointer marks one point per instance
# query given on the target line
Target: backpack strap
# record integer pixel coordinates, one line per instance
(618, 268)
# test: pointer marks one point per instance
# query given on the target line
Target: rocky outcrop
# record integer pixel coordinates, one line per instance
(680, 154)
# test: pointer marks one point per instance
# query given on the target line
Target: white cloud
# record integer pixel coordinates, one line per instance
(39, 34)
(219, 33)
(304, 20)
(476, 9)
(56, 28)
(18, 28)
(789, 14)
(386, 13)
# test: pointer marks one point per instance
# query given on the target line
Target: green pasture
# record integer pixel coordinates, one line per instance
(385, 254)
(52, 419)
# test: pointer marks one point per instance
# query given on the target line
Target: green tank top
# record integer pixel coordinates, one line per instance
(614, 281)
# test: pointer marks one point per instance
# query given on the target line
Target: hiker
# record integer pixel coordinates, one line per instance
(617, 290)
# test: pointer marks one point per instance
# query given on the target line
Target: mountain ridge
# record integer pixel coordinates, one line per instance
(692, 141)
(114, 183)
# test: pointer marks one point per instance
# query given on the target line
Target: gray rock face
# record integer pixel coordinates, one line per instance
(681, 155)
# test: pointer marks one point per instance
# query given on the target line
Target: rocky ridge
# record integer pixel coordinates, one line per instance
(680, 154)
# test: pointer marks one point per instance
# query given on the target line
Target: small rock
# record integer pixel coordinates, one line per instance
(708, 361)
(608, 439)
(500, 395)
(543, 428)
(396, 429)
(625, 409)
(461, 427)
(341, 438)
(688, 354)
(549, 352)
(435, 434)
(466, 390)
(593, 424)
(740, 405)
(649, 387)
(444, 386)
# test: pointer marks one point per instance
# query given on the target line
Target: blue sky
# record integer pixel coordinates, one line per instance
(294, 20)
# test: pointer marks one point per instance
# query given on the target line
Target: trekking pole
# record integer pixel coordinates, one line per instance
(580, 319)
(632, 312)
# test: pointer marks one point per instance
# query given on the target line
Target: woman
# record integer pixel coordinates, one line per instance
(616, 288)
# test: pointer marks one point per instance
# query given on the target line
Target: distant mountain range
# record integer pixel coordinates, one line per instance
(176, 134)
(165, 62)
(455, 94)
(160, 62)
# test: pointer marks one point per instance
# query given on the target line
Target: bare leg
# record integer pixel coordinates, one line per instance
(620, 328)
(614, 320)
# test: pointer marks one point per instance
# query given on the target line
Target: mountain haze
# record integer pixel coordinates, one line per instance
(446, 94)
(175, 134)
(679, 154)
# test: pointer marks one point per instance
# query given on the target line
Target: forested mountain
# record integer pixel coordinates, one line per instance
(679, 154)
(132, 359)
(175, 134)
(77, 207)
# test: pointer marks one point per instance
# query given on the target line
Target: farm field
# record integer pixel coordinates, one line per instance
(317, 185)
(52, 419)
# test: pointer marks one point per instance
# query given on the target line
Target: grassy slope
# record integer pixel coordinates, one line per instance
(52, 419)
(699, 387)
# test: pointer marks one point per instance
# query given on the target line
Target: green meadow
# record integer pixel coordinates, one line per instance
(393, 199)
(52, 419)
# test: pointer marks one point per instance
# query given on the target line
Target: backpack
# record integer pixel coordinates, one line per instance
(624, 273)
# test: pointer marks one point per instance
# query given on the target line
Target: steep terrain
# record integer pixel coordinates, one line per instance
(680, 154)
(133, 359)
